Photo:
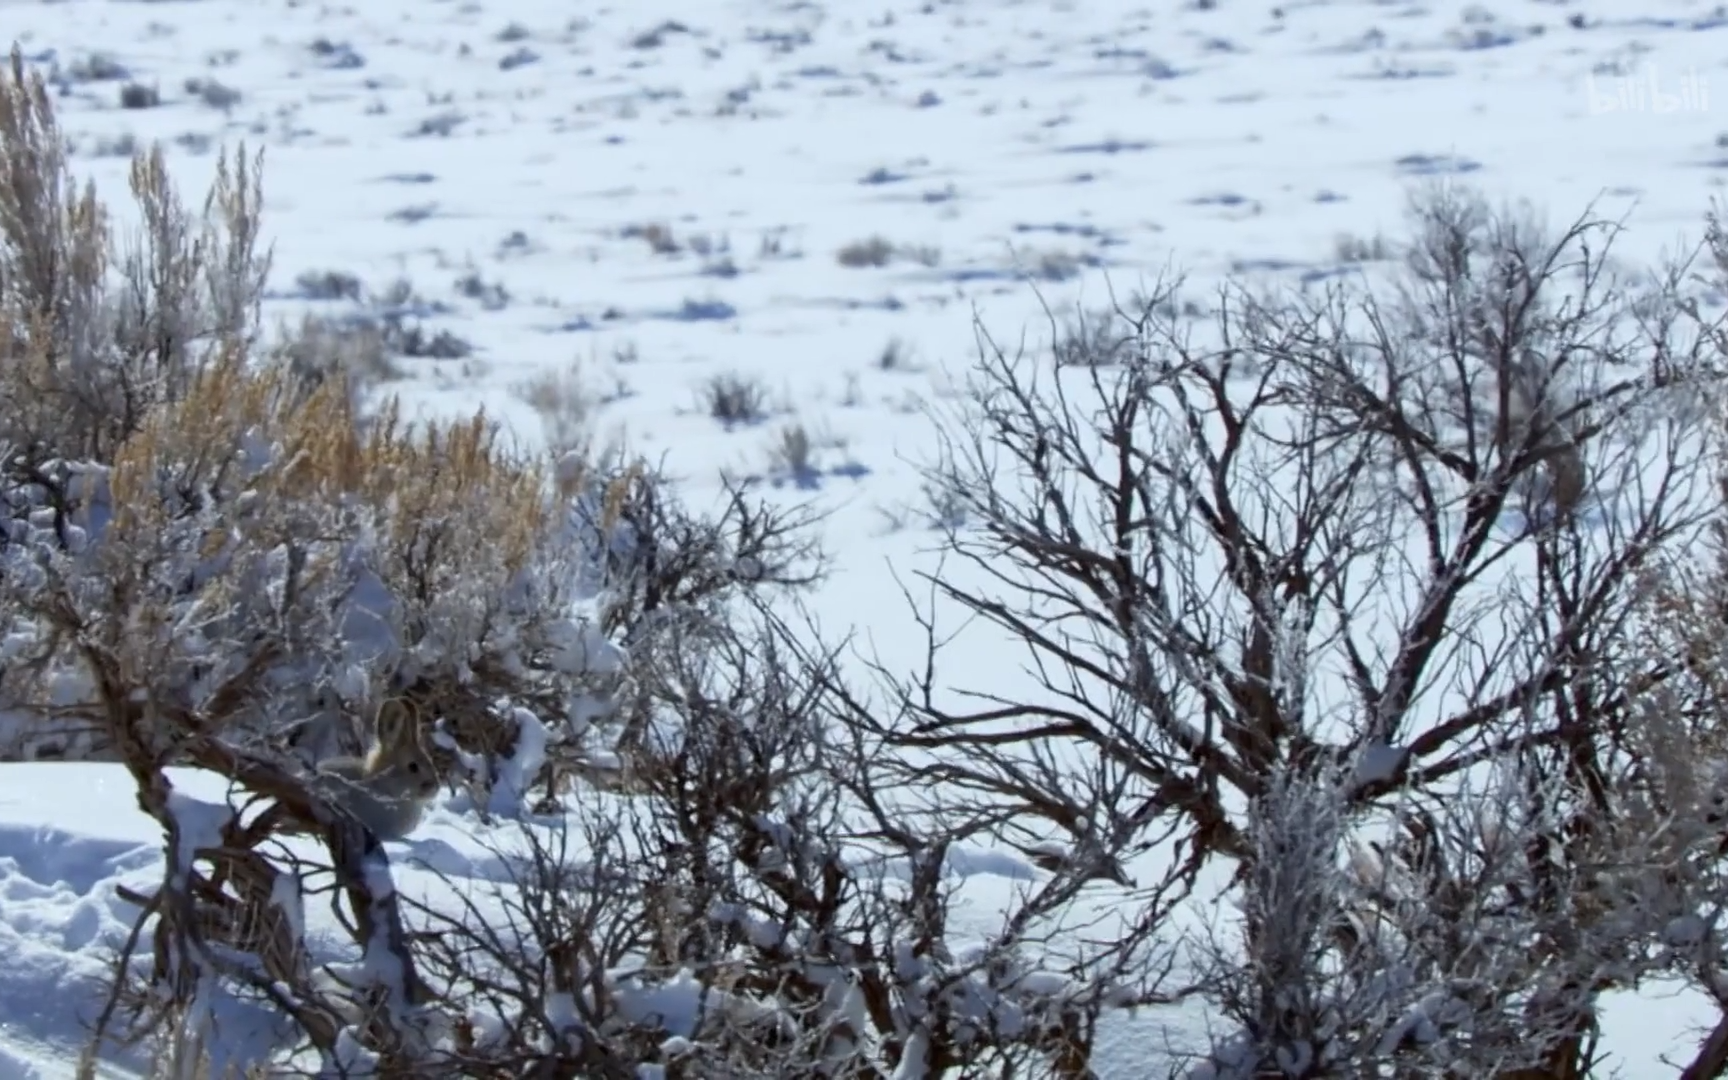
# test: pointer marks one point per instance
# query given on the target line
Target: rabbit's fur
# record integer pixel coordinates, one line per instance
(1530, 417)
(389, 788)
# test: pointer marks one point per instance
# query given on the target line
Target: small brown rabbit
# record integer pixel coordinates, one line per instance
(389, 788)
(1530, 417)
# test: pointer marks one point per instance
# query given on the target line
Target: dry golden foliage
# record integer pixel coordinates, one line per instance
(441, 473)
(619, 490)
(454, 476)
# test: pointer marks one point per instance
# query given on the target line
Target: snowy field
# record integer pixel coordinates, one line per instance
(818, 197)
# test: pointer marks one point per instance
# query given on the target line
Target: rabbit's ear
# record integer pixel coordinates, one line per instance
(397, 724)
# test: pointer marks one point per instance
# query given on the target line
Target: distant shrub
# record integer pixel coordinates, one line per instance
(657, 235)
(565, 403)
(735, 399)
(212, 93)
(874, 251)
(97, 67)
(139, 96)
(329, 285)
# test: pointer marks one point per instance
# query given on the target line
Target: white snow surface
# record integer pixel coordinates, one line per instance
(1089, 145)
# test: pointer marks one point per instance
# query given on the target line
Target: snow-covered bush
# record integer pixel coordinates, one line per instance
(754, 907)
(208, 560)
(1373, 619)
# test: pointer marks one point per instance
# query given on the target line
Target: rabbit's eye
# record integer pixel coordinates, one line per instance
(414, 768)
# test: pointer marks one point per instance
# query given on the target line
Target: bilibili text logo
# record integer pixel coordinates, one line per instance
(1647, 91)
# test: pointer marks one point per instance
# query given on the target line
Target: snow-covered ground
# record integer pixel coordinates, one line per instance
(662, 189)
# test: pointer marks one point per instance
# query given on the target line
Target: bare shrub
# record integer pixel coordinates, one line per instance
(873, 251)
(693, 566)
(213, 94)
(139, 96)
(1357, 574)
(1352, 248)
(878, 251)
(96, 67)
(491, 295)
(412, 339)
(657, 235)
(735, 399)
(329, 285)
(792, 452)
(925, 255)
(1053, 264)
(123, 145)
(785, 919)
(396, 316)
(565, 404)
(895, 355)
(1101, 338)
(349, 351)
